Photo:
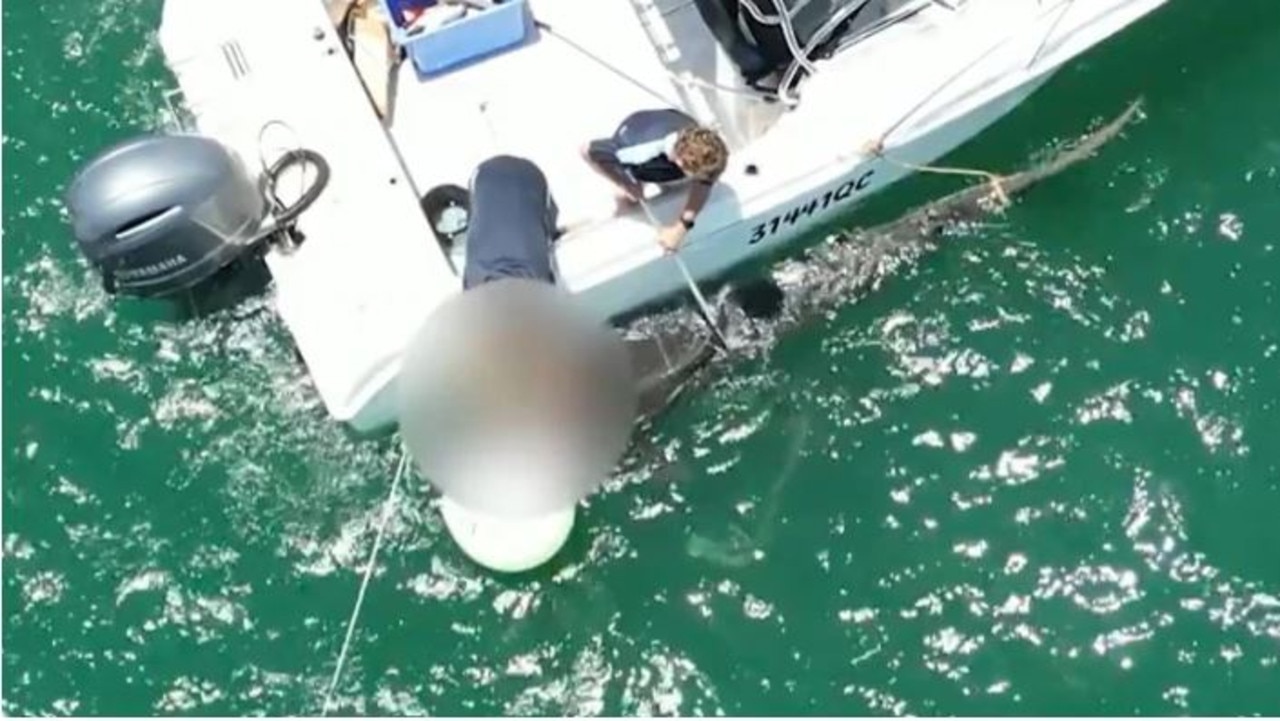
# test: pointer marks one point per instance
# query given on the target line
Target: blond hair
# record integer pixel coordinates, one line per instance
(701, 152)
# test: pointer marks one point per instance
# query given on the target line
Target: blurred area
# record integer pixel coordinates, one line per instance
(513, 403)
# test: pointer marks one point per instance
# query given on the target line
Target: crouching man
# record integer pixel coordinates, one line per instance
(511, 223)
(663, 147)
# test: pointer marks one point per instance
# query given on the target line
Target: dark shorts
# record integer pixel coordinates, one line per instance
(511, 223)
(637, 129)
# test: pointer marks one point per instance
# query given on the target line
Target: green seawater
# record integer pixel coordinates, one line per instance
(1036, 473)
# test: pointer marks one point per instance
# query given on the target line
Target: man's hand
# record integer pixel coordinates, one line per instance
(671, 236)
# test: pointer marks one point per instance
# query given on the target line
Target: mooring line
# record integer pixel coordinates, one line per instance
(704, 308)
(387, 507)
(876, 147)
(994, 180)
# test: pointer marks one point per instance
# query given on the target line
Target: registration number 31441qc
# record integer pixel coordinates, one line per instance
(806, 208)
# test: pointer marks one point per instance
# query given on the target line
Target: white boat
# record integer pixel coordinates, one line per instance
(924, 76)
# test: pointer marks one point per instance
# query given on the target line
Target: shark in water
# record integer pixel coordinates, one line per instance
(672, 351)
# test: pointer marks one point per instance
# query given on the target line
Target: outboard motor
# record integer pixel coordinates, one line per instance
(160, 215)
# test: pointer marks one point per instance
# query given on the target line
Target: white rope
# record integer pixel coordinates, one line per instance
(707, 315)
(606, 64)
(387, 507)
(697, 296)
(876, 147)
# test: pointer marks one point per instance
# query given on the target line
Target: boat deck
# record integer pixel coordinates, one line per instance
(542, 100)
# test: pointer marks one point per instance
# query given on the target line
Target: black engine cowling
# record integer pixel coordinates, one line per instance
(161, 214)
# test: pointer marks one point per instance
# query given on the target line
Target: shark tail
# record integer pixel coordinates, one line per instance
(1083, 149)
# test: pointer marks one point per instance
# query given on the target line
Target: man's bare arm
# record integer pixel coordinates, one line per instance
(696, 199)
